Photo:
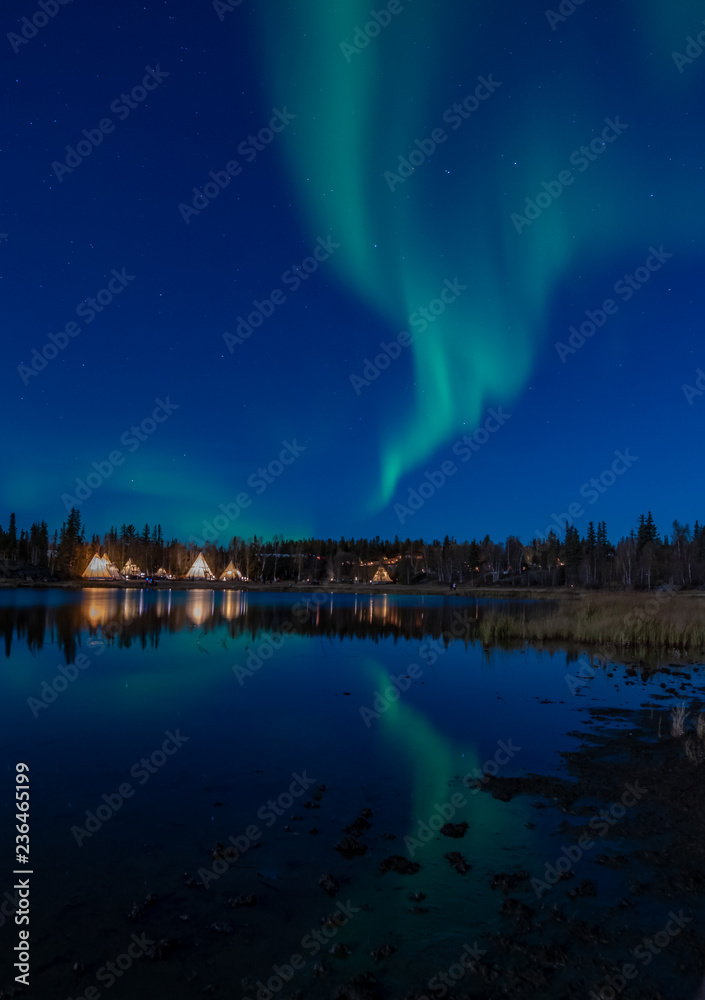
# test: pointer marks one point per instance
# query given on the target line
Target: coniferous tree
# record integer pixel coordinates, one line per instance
(70, 542)
(11, 548)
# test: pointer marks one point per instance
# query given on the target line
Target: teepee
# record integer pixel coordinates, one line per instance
(200, 570)
(97, 569)
(161, 573)
(130, 569)
(231, 572)
(381, 576)
(112, 568)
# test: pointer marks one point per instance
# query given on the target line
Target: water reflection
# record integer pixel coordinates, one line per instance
(124, 617)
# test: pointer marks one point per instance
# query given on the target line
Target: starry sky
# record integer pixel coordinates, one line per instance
(325, 268)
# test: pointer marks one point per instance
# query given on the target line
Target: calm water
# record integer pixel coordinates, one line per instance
(250, 691)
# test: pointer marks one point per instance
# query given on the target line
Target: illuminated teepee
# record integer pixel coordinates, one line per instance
(381, 576)
(200, 570)
(112, 568)
(97, 569)
(231, 572)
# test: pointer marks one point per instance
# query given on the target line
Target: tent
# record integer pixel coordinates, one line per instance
(97, 569)
(381, 576)
(200, 570)
(231, 572)
(161, 574)
(130, 569)
(112, 568)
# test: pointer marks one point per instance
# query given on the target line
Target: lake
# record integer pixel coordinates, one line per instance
(196, 757)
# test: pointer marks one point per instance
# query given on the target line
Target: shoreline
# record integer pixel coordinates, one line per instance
(561, 594)
(279, 588)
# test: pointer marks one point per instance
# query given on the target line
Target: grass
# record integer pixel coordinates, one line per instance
(637, 621)
(678, 717)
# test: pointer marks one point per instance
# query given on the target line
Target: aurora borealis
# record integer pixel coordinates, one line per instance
(486, 178)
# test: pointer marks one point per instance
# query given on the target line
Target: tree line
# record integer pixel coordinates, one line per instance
(642, 559)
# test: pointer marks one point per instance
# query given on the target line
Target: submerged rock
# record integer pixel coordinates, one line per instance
(334, 921)
(456, 830)
(586, 888)
(359, 824)
(519, 912)
(162, 949)
(350, 846)
(507, 881)
(612, 860)
(223, 852)
(362, 987)
(328, 883)
(138, 908)
(396, 863)
(457, 861)
(384, 952)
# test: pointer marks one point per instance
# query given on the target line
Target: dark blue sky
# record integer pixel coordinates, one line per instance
(141, 256)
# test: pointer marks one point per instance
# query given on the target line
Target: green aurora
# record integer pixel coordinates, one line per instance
(360, 110)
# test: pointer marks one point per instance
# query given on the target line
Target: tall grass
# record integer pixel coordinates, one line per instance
(621, 620)
(678, 717)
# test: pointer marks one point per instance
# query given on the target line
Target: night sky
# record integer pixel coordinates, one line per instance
(379, 171)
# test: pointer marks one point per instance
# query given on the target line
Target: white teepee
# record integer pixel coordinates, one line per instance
(231, 572)
(97, 569)
(200, 570)
(112, 568)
